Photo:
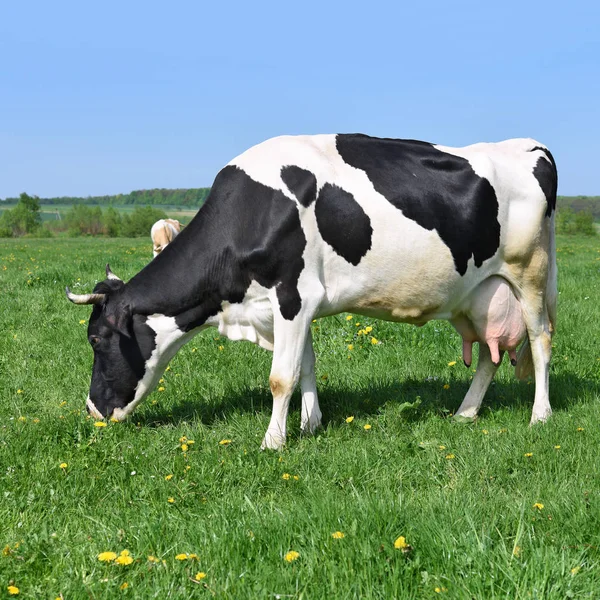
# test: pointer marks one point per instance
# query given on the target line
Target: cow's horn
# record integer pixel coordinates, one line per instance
(84, 298)
(110, 274)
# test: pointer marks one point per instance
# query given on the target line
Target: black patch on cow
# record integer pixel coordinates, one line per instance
(245, 231)
(302, 183)
(343, 223)
(547, 176)
(435, 189)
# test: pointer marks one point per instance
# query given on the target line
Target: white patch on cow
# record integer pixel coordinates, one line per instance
(251, 319)
(169, 338)
(92, 409)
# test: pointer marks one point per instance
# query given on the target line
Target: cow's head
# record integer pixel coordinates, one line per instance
(126, 361)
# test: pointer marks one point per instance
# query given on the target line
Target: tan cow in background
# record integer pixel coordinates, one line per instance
(163, 232)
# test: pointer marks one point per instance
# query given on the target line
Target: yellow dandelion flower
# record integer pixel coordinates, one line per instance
(442, 447)
(451, 363)
(575, 570)
(107, 556)
(124, 559)
(124, 586)
(6, 550)
(580, 429)
(170, 500)
(19, 391)
(82, 321)
(291, 556)
(13, 590)
(296, 477)
(538, 505)
(182, 439)
(161, 388)
(368, 329)
(224, 442)
(517, 551)
(557, 447)
(199, 576)
(161, 380)
(350, 346)
(357, 324)
(168, 477)
(22, 419)
(367, 427)
(63, 465)
(153, 559)
(63, 403)
(450, 456)
(221, 348)
(184, 447)
(187, 467)
(193, 556)
(374, 341)
(337, 535)
(182, 556)
(400, 543)
(528, 454)
(360, 332)
(99, 424)
(349, 419)
(484, 431)
(446, 386)
(348, 317)
(36, 420)
(285, 476)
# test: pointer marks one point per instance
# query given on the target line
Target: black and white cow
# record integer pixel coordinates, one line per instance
(300, 227)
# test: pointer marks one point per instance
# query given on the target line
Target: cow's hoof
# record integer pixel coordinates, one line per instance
(539, 418)
(464, 418)
(310, 426)
(273, 442)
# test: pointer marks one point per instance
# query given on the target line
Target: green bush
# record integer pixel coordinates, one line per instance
(569, 221)
(23, 219)
(140, 221)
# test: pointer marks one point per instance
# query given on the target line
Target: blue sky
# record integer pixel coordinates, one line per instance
(108, 97)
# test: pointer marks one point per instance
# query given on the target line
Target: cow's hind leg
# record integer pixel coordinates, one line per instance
(311, 413)
(540, 341)
(484, 374)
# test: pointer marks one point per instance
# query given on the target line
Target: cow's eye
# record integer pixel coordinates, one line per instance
(94, 339)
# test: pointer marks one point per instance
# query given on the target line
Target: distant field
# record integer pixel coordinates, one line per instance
(54, 212)
(491, 510)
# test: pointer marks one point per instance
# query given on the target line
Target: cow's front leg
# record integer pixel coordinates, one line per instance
(311, 413)
(288, 348)
(486, 370)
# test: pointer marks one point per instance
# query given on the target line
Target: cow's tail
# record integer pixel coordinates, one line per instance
(524, 366)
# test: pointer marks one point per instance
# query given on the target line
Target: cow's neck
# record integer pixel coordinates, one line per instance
(188, 280)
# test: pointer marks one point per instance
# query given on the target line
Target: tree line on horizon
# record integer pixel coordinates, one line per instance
(575, 214)
(194, 197)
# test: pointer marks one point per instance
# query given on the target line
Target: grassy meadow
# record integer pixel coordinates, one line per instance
(391, 499)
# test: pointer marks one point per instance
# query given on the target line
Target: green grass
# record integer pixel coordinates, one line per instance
(462, 495)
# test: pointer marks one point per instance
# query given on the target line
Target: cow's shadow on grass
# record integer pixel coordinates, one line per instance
(413, 399)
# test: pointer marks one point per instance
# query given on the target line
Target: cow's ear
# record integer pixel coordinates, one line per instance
(120, 320)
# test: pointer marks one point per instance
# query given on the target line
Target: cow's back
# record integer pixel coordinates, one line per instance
(402, 229)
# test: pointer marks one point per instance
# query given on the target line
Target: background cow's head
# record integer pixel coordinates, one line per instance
(123, 345)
